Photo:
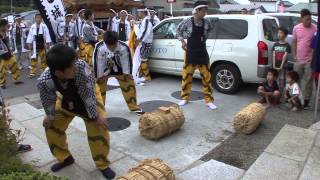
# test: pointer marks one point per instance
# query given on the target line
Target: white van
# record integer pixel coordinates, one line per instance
(239, 48)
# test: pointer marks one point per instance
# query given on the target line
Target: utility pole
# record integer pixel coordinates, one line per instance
(11, 6)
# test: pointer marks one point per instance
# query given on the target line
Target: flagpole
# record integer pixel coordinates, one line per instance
(318, 52)
(317, 100)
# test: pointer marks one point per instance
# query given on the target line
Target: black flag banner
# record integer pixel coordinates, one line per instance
(52, 11)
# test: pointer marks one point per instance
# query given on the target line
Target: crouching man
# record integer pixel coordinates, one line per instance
(112, 58)
(68, 89)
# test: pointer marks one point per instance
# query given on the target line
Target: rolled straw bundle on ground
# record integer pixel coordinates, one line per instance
(248, 119)
(161, 122)
(150, 169)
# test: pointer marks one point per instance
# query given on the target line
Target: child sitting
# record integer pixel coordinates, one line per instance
(281, 49)
(269, 91)
(292, 91)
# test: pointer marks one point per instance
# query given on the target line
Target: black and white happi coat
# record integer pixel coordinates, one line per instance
(66, 33)
(108, 63)
(23, 37)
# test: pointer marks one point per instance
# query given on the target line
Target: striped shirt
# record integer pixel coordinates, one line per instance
(184, 29)
(85, 83)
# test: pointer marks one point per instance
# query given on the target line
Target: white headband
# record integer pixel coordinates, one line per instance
(81, 10)
(194, 11)
(112, 10)
(124, 12)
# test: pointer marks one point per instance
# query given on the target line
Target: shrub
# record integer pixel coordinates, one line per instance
(11, 166)
(29, 176)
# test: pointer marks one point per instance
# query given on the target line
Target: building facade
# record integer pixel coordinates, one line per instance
(180, 7)
(269, 5)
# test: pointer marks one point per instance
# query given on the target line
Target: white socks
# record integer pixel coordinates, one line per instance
(183, 102)
(212, 106)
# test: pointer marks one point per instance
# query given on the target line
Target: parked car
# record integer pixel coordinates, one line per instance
(289, 20)
(239, 48)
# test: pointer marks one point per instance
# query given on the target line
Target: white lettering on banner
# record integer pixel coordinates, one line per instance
(54, 11)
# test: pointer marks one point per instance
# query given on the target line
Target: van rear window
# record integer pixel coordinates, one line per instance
(270, 28)
(226, 29)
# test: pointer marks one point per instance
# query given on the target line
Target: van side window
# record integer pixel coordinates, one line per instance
(167, 30)
(227, 30)
(285, 21)
(213, 33)
(270, 28)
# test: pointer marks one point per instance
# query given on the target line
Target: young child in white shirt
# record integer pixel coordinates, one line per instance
(292, 91)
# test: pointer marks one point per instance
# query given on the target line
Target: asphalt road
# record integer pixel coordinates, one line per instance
(28, 87)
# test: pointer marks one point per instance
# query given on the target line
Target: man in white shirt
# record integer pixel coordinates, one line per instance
(18, 38)
(7, 59)
(144, 39)
(112, 58)
(153, 17)
(89, 37)
(122, 26)
(66, 31)
(39, 41)
(79, 26)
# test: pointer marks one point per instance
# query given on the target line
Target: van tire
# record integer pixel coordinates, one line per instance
(231, 71)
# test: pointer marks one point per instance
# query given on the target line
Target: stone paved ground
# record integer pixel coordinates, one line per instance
(242, 150)
(204, 130)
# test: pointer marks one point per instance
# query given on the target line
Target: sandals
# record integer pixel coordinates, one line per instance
(23, 148)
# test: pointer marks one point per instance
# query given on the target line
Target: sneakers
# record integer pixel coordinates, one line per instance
(140, 83)
(183, 103)
(139, 112)
(58, 166)
(108, 173)
(32, 75)
(211, 106)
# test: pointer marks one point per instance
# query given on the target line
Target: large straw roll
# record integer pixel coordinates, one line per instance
(161, 122)
(150, 169)
(249, 118)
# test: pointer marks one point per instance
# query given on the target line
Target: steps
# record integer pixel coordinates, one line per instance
(212, 170)
(292, 154)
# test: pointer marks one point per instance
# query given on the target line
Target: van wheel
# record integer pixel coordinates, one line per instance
(226, 78)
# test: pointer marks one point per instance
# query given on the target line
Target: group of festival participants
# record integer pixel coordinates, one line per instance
(75, 70)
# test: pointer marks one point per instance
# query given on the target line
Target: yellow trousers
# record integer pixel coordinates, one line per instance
(98, 136)
(144, 71)
(12, 65)
(81, 50)
(34, 62)
(88, 53)
(187, 76)
(127, 87)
